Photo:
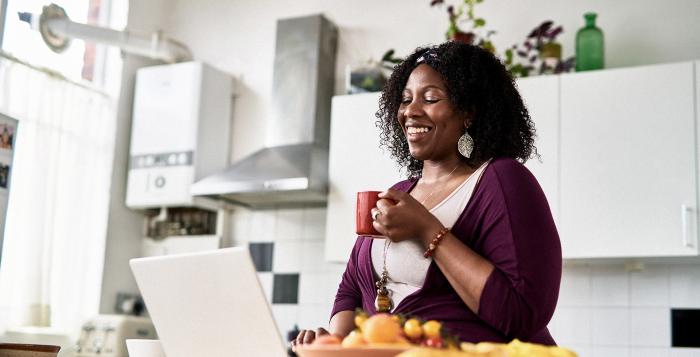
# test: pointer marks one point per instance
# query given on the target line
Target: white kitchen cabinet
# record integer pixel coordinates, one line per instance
(356, 163)
(541, 96)
(628, 156)
(619, 165)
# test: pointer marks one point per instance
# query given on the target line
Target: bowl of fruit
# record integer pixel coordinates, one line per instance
(381, 335)
(384, 335)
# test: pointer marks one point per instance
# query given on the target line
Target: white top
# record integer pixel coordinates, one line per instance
(405, 263)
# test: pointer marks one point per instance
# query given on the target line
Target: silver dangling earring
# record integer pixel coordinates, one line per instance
(465, 145)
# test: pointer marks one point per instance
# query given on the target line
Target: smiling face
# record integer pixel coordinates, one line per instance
(428, 118)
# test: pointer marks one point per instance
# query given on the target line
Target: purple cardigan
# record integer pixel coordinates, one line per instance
(507, 221)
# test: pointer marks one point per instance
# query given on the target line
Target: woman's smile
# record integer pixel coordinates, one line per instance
(416, 134)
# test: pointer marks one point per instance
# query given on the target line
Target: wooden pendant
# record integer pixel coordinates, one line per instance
(383, 302)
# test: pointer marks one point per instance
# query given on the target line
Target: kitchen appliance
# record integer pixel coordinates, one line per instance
(180, 133)
(106, 335)
(293, 167)
(181, 230)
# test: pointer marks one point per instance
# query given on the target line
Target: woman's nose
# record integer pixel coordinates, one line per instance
(413, 109)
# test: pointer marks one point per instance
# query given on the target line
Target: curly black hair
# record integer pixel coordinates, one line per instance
(478, 85)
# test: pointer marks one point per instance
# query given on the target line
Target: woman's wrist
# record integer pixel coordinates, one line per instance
(430, 231)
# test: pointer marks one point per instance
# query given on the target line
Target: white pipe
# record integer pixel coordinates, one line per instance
(155, 47)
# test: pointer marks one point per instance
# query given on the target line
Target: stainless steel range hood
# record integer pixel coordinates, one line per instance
(292, 169)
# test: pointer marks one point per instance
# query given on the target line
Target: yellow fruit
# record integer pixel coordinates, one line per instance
(381, 328)
(360, 320)
(354, 339)
(431, 329)
(412, 329)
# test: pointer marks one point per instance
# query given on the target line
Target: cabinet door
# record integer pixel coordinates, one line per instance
(541, 96)
(628, 162)
(356, 163)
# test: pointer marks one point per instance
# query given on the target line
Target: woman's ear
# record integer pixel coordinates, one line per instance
(468, 121)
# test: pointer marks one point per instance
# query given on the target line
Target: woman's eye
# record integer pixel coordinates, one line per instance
(431, 100)
(405, 100)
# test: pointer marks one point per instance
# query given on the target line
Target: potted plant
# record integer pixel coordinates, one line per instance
(539, 52)
(462, 16)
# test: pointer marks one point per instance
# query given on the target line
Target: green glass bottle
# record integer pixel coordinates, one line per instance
(589, 45)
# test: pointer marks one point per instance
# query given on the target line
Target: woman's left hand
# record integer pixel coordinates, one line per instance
(402, 217)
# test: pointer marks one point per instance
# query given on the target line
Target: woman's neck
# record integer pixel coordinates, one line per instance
(436, 171)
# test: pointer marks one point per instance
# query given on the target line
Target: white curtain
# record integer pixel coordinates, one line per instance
(51, 268)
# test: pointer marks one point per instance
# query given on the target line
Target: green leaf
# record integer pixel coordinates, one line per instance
(388, 55)
(509, 56)
(479, 22)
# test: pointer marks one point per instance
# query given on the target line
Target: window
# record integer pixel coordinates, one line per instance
(80, 61)
(51, 268)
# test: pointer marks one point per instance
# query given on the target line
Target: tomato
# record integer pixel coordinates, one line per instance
(412, 329)
(434, 342)
(431, 329)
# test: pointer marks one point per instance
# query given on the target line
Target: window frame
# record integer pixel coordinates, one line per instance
(3, 15)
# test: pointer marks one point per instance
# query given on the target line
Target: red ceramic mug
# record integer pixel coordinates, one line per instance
(366, 200)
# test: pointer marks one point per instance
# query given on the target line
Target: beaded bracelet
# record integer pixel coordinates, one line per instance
(433, 245)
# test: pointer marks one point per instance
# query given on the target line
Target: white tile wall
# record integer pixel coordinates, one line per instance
(685, 352)
(650, 287)
(287, 256)
(609, 285)
(650, 326)
(290, 224)
(572, 325)
(604, 351)
(610, 326)
(287, 316)
(685, 286)
(649, 352)
(603, 310)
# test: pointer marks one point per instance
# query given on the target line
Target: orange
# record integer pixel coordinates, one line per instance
(381, 328)
(431, 329)
(412, 329)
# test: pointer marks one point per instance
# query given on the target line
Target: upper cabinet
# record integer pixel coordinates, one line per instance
(618, 160)
(628, 156)
(356, 163)
(541, 96)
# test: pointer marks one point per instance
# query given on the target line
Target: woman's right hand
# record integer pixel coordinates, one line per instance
(306, 337)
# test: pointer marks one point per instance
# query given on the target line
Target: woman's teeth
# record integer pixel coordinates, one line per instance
(415, 130)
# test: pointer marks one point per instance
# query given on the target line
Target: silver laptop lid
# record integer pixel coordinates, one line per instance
(208, 304)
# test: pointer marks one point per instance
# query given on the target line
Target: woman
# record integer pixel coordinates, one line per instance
(471, 239)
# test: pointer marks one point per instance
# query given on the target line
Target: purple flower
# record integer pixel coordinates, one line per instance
(554, 33)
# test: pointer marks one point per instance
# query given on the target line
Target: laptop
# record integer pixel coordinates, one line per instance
(208, 304)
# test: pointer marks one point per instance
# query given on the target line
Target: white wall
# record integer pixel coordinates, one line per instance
(124, 227)
(239, 36)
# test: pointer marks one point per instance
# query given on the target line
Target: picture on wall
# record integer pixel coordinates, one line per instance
(7, 132)
(4, 175)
